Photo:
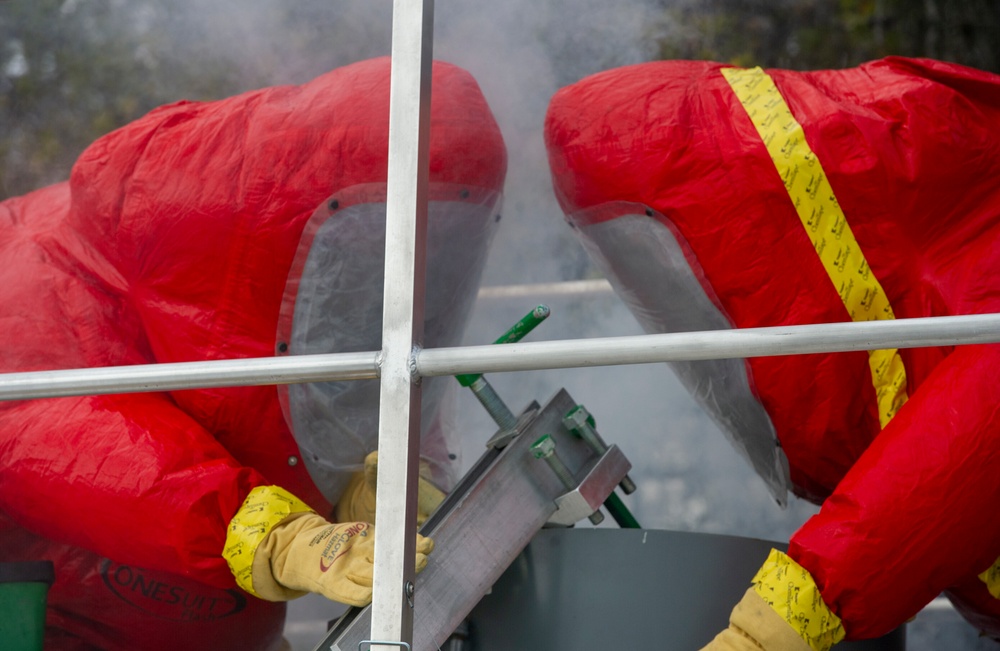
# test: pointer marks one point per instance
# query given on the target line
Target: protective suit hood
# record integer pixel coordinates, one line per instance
(675, 193)
(184, 236)
(202, 211)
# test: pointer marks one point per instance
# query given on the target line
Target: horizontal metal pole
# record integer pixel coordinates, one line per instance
(714, 344)
(567, 353)
(565, 288)
(189, 375)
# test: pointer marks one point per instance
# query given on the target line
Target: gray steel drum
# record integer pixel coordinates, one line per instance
(598, 589)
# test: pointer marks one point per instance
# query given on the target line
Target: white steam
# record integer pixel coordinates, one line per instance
(521, 52)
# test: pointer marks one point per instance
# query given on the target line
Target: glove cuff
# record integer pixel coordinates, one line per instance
(264, 508)
(792, 594)
(991, 577)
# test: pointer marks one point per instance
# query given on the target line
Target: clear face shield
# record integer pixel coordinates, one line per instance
(653, 270)
(333, 304)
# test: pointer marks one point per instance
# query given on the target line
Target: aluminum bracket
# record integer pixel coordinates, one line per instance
(490, 517)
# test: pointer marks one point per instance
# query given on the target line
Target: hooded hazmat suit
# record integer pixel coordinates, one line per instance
(717, 197)
(247, 227)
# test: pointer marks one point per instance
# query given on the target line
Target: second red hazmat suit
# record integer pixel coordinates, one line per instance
(717, 197)
(247, 227)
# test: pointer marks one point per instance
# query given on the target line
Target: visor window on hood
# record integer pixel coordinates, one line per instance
(333, 304)
(645, 261)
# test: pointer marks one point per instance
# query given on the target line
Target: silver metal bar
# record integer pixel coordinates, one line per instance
(567, 353)
(569, 288)
(402, 322)
(188, 375)
(714, 344)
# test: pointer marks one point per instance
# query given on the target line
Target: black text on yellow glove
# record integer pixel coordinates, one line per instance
(357, 504)
(279, 549)
(783, 611)
(755, 626)
(306, 553)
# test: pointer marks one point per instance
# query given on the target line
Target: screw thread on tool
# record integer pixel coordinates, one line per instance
(493, 404)
(580, 422)
(545, 448)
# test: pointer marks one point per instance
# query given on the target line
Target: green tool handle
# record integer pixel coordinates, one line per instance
(514, 334)
(620, 512)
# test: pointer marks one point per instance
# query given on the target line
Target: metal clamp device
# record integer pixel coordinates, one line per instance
(499, 506)
(490, 517)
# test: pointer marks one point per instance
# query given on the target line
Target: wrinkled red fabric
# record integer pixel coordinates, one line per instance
(172, 242)
(912, 152)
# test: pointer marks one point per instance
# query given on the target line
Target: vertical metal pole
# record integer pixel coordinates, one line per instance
(402, 329)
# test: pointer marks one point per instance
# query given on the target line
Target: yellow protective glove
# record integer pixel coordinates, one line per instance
(783, 611)
(753, 626)
(357, 504)
(279, 549)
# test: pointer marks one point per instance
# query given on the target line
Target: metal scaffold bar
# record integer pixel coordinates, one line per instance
(565, 288)
(402, 323)
(714, 344)
(567, 353)
(189, 375)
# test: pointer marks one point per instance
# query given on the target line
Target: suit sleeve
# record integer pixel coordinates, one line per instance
(129, 477)
(916, 514)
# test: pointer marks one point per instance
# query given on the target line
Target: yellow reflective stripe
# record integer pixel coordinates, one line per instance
(790, 590)
(824, 222)
(264, 507)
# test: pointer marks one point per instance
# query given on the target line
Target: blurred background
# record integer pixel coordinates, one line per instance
(73, 70)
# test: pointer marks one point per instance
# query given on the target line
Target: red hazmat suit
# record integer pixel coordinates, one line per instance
(246, 227)
(677, 176)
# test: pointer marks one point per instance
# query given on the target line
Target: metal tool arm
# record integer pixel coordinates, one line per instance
(494, 512)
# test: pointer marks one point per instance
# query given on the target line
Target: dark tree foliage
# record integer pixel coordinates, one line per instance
(813, 34)
(73, 70)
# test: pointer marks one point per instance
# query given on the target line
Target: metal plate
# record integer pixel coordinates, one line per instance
(483, 526)
(599, 589)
